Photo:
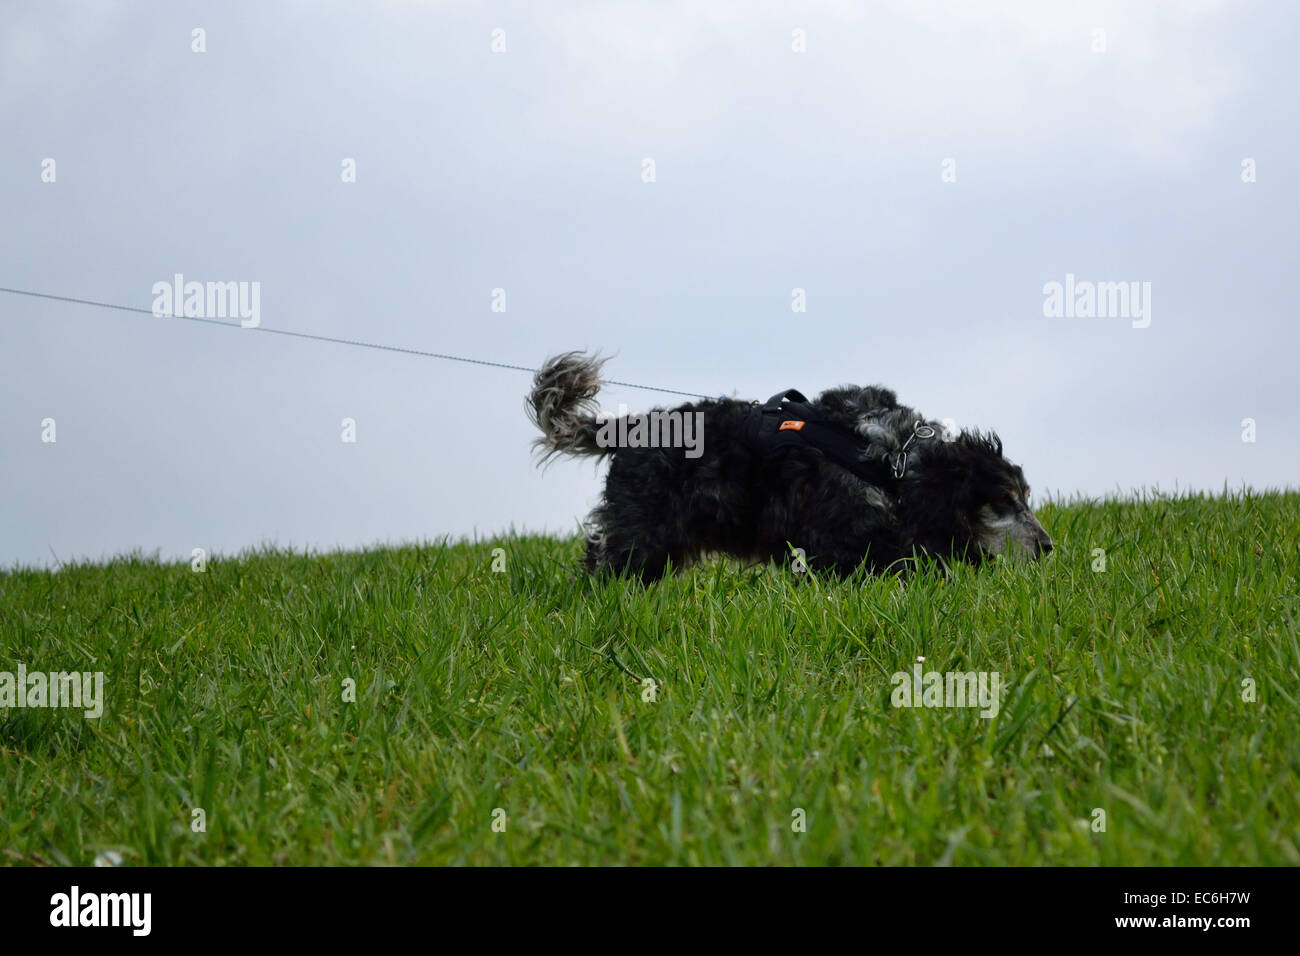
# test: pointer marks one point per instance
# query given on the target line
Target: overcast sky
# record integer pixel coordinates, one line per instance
(1112, 157)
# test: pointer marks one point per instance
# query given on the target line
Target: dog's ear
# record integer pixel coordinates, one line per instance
(944, 473)
(937, 499)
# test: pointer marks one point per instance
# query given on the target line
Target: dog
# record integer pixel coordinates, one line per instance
(881, 486)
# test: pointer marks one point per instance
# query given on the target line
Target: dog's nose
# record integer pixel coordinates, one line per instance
(1045, 547)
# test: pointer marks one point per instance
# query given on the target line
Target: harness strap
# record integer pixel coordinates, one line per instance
(787, 420)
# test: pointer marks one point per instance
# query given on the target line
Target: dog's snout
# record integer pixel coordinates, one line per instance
(1040, 541)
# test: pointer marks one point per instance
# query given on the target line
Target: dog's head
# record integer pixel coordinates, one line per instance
(969, 501)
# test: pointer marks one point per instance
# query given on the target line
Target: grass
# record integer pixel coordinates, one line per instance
(523, 691)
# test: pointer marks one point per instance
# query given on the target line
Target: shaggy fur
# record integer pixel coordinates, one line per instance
(958, 499)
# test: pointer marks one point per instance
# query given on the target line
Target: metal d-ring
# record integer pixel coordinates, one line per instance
(900, 464)
(919, 430)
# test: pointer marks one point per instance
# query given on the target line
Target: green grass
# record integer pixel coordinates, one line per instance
(522, 691)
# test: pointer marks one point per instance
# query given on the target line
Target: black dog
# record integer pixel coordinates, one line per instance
(873, 482)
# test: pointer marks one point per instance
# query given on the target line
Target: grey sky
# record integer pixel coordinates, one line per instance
(522, 170)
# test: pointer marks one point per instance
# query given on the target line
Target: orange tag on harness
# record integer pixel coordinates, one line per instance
(790, 426)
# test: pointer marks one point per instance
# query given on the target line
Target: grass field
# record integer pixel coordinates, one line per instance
(518, 698)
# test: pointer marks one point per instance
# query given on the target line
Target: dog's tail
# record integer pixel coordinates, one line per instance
(561, 405)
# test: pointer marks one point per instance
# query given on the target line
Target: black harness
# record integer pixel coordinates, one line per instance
(787, 420)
